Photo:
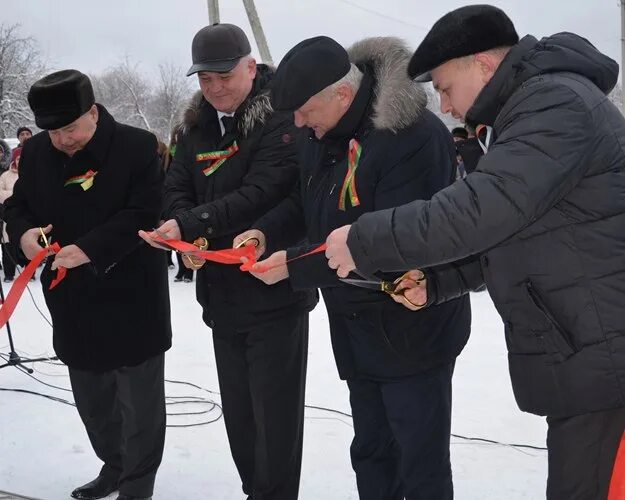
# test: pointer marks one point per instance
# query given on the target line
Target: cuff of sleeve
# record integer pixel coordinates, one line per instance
(98, 264)
(363, 263)
(297, 269)
(192, 227)
(16, 230)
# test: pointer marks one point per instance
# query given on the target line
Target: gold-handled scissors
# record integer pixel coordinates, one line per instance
(255, 241)
(195, 262)
(389, 287)
(44, 238)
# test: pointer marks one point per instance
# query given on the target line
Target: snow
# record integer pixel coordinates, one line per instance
(44, 451)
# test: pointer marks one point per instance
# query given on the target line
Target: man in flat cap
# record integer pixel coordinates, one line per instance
(545, 211)
(372, 144)
(236, 159)
(90, 183)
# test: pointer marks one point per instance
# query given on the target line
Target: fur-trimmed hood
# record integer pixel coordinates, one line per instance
(254, 111)
(398, 101)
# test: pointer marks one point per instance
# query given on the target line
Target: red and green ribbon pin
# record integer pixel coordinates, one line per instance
(349, 184)
(85, 180)
(216, 158)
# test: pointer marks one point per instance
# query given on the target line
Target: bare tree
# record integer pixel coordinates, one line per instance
(20, 66)
(169, 99)
(126, 93)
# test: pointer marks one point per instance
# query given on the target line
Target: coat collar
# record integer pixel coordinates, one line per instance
(98, 147)
(355, 120)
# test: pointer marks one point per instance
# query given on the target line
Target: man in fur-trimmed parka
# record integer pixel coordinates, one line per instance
(235, 160)
(372, 144)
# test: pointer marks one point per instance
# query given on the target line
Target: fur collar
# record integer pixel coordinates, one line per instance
(398, 101)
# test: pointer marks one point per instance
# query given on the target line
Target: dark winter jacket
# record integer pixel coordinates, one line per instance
(546, 208)
(407, 153)
(114, 311)
(222, 205)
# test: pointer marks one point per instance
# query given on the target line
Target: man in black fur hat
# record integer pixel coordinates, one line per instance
(545, 212)
(91, 183)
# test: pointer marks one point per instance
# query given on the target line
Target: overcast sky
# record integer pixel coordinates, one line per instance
(93, 35)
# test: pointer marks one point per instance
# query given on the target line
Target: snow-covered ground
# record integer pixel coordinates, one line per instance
(44, 451)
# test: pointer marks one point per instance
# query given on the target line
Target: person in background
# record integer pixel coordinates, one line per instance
(7, 181)
(23, 134)
(165, 158)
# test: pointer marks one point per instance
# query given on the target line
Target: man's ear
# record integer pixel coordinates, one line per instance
(487, 65)
(94, 113)
(345, 93)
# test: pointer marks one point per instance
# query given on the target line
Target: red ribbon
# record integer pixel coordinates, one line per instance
(617, 483)
(264, 269)
(228, 255)
(16, 291)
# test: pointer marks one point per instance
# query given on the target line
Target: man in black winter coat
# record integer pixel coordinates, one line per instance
(546, 211)
(91, 183)
(235, 160)
(371, 144)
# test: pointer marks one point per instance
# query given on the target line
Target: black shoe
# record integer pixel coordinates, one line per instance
(187, 280)
(178, 278)
(100, 487)
(8, 279)
(130, 497)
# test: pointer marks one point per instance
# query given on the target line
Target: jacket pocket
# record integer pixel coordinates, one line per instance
(562, 341)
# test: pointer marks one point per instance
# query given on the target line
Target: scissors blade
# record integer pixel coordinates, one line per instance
(371, 285)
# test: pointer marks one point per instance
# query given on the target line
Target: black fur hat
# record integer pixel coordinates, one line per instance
(461, 32)
(60, 98)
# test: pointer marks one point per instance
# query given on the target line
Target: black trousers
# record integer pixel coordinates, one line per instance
(262, 378)
(401, 436)
(582, 456)
(124, 413)
(183, 272)
(9, 259)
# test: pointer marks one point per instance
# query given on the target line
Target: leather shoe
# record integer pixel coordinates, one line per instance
(100, 487)
(130, 497)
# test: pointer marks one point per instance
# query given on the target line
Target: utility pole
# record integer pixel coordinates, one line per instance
(213, 11)
(257, 29)
(622, 6)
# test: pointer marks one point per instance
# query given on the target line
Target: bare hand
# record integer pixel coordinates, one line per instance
(415, 293)
(30, 241)
(272, 276)
(338, 254)
(250, 236)
(69, 257)
(169, 230)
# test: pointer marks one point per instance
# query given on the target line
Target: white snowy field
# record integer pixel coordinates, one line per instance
(45, 453)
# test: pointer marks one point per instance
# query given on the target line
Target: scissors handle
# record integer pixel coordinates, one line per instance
(253, 239)
(44, 238)
(402, 293)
